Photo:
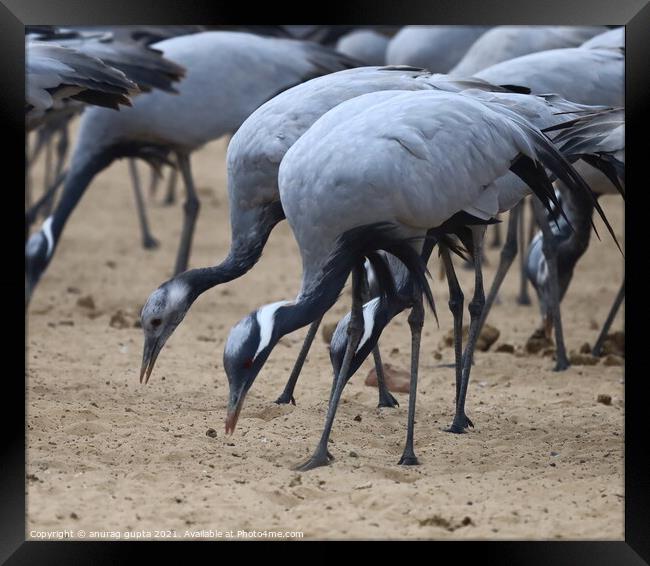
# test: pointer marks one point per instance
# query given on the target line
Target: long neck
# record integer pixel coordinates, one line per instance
(579, 210)
(245, 250)
(312, 305)
(84, 168)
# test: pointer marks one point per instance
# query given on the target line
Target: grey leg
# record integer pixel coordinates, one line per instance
(385, 397)
(508, 253)
(549, 247)
(154, 180)
(191, 210)
(47, 178)
(416, 321)
(524, 297)
(287, 395)
(148, 241)
(475, 308)
(610, 318)
(496, 236)
(170, 197)
(456, 301)
(321, 456)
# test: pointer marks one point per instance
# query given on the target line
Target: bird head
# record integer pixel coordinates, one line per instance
(538, 274)
(38, 252)
(247, 348)
(162, 313)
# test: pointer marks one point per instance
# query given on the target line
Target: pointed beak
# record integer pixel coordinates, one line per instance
(149, 355)
(234, 408)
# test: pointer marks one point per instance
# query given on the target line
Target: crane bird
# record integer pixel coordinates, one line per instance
(253, 159)
(592, 137)
(385, 168)
(507, 42)
(229, 74)
(142, 64)
(543, 112)
(593, 76)
(436, 48)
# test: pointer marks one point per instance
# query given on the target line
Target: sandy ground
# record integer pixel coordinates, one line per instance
(545, 460)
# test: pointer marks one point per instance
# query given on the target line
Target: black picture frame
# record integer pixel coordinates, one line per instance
(634, 14)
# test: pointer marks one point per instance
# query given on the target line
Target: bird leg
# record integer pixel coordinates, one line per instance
(549, 247)
(321, 456)
(456, 300)
(47, 178)
(148, 241)
(508, 253)
(170, 196)
(287, 395)
(496, 236)
(191, 209)
(523, 298)
(475, 307)
(608, 322)
(416, 321)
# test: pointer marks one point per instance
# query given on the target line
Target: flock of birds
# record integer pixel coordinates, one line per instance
(377, 144)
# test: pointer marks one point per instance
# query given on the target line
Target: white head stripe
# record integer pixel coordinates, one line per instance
(177, 290)
(266, 320)
(47, 232)
(369, 310)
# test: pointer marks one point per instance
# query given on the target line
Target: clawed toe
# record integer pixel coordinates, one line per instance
(408, 461)
(316, 461)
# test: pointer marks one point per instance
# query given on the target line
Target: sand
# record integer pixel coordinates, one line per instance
(108, 457)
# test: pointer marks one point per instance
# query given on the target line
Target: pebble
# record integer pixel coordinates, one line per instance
(211, 433)
(604, 399)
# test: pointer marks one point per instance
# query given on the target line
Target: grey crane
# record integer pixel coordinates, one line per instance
(593, 76)
(229, 74)
(599, 137)
(385, 168)
(254, 156)
(543, 112)
(507, 42)
(437, 48)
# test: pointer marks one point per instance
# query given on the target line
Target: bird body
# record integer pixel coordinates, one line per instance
(586, 76)
(366, 45)
(507, 42)
(436, 48)
(614, 39)
(228, 75)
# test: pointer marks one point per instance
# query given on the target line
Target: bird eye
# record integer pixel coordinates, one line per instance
(248, 363)
(156, 322)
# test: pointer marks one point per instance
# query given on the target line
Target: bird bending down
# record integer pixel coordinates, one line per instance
(254, 156)
(410, 161)
(229, 75)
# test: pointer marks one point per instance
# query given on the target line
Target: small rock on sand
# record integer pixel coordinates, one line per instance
(397, 380)
(211, 433)
(488, 336)
(538, 342)
(578, 359)
(585, 348)
(614, 344)
(120, 320)
(86, 302)
(327, 331)
(604, 399)
(613, 360)
(505, 348)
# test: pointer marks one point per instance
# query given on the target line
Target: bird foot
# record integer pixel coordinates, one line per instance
(169, 201)
(387, 400)
(408, 460)
(459, 425)
(285, 399)
(150, 243)
(523, 300)
(316, 461)
(561, 365)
